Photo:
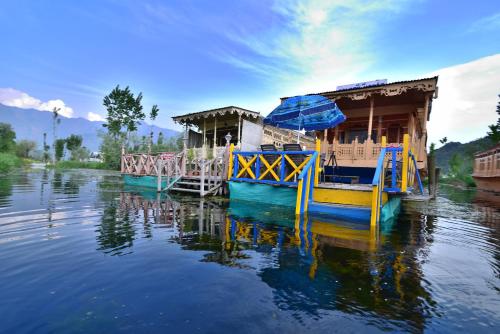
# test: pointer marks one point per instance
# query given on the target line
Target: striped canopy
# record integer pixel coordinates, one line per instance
(308, 112)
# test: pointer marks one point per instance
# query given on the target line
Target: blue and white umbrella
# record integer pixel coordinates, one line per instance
(307, 112)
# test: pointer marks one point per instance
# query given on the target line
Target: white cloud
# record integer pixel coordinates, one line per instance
(491, 22)
(15, 98)
(466, 103)
(322, 43)
(95, 117)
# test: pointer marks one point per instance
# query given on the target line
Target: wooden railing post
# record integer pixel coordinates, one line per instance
(404, 171)
(122, 162)
(158, 174)
(230, 163)
(316, 171)
(202, 178)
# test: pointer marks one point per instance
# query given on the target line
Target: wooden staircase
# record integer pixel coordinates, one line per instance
(346, 201)
(196, 185)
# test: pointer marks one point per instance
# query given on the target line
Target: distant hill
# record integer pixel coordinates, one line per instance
(467, 150)
(32, 123)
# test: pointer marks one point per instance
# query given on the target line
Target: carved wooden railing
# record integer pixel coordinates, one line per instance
(358, 151)
(144, 164)
(209, 171)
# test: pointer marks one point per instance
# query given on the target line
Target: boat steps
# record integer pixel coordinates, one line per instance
(186, 190)
(342, 211)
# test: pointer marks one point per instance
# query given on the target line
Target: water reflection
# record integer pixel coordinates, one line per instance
(312, 264)
(417, 273)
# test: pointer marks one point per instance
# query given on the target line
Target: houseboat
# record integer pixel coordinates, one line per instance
(487, 170)
(356, 170)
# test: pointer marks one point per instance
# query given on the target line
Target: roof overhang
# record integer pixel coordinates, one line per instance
(194, 118)
(389, 89)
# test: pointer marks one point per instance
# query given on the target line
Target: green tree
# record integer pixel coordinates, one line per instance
(80, 154)
(25, 147)
(159, 141)
(111, 150)
(55, 121)
(46, 148)
(152, 116)
(59, 148)
(124, 111)
(73, 143)
(494, 133)
(7, 138)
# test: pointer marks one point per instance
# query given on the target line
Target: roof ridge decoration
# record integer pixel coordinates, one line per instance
(388, 89)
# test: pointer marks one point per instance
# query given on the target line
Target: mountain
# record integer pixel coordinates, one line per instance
(32, 123)
(466, 151)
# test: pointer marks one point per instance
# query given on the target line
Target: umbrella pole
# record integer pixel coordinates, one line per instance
(298, 136)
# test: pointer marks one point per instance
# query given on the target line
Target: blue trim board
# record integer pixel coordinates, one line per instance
(349, 213)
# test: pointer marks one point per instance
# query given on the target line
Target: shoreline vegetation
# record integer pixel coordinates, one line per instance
(9, 162)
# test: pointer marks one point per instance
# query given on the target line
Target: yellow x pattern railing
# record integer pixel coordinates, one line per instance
(296, 169)
(269, 168)
(246, 166)
(284, 169)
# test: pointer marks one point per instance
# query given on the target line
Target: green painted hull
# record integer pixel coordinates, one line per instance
(144, 181)
(263, 193)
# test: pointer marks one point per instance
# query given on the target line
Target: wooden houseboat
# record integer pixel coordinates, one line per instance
(373, 110)
(487, 170)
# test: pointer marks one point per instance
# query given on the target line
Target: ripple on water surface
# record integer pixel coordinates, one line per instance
(82, 253)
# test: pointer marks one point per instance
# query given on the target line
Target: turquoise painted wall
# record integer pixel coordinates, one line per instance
(263, 193)
(143, 181)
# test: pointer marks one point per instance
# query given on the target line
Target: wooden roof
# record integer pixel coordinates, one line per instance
(194, 118)
(388, 89)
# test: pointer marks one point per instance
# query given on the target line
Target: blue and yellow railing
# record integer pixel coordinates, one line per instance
(256, 166)
(403, 172)
(306, 182)
(278, 168)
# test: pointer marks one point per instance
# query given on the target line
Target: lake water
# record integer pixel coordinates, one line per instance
(81, 253)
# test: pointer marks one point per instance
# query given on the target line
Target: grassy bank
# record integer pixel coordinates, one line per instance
(8, 162)
(462, 181)
(80, 164)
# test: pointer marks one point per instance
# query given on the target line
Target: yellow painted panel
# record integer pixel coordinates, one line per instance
(345, 196)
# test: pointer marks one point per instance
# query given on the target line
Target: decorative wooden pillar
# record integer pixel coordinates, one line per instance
(370, 119)
(379, 128)
(239, 131)
(215, 139)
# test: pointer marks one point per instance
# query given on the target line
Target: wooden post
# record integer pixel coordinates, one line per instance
(437, 171)
(430, 173)
(230, 162)
(370, 119)
(202, 178)
(379, 128)
(214, 153)
(239, 131)
(158, 175)
(122, 167)
(405, 157)
(316, 171)
(184, 151)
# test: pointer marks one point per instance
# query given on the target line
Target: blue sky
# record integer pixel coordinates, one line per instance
(191, 56)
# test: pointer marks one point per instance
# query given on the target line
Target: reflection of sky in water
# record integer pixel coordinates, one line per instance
(80, 254)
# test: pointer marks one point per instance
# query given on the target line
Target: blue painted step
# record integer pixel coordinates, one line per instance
(342, 211)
